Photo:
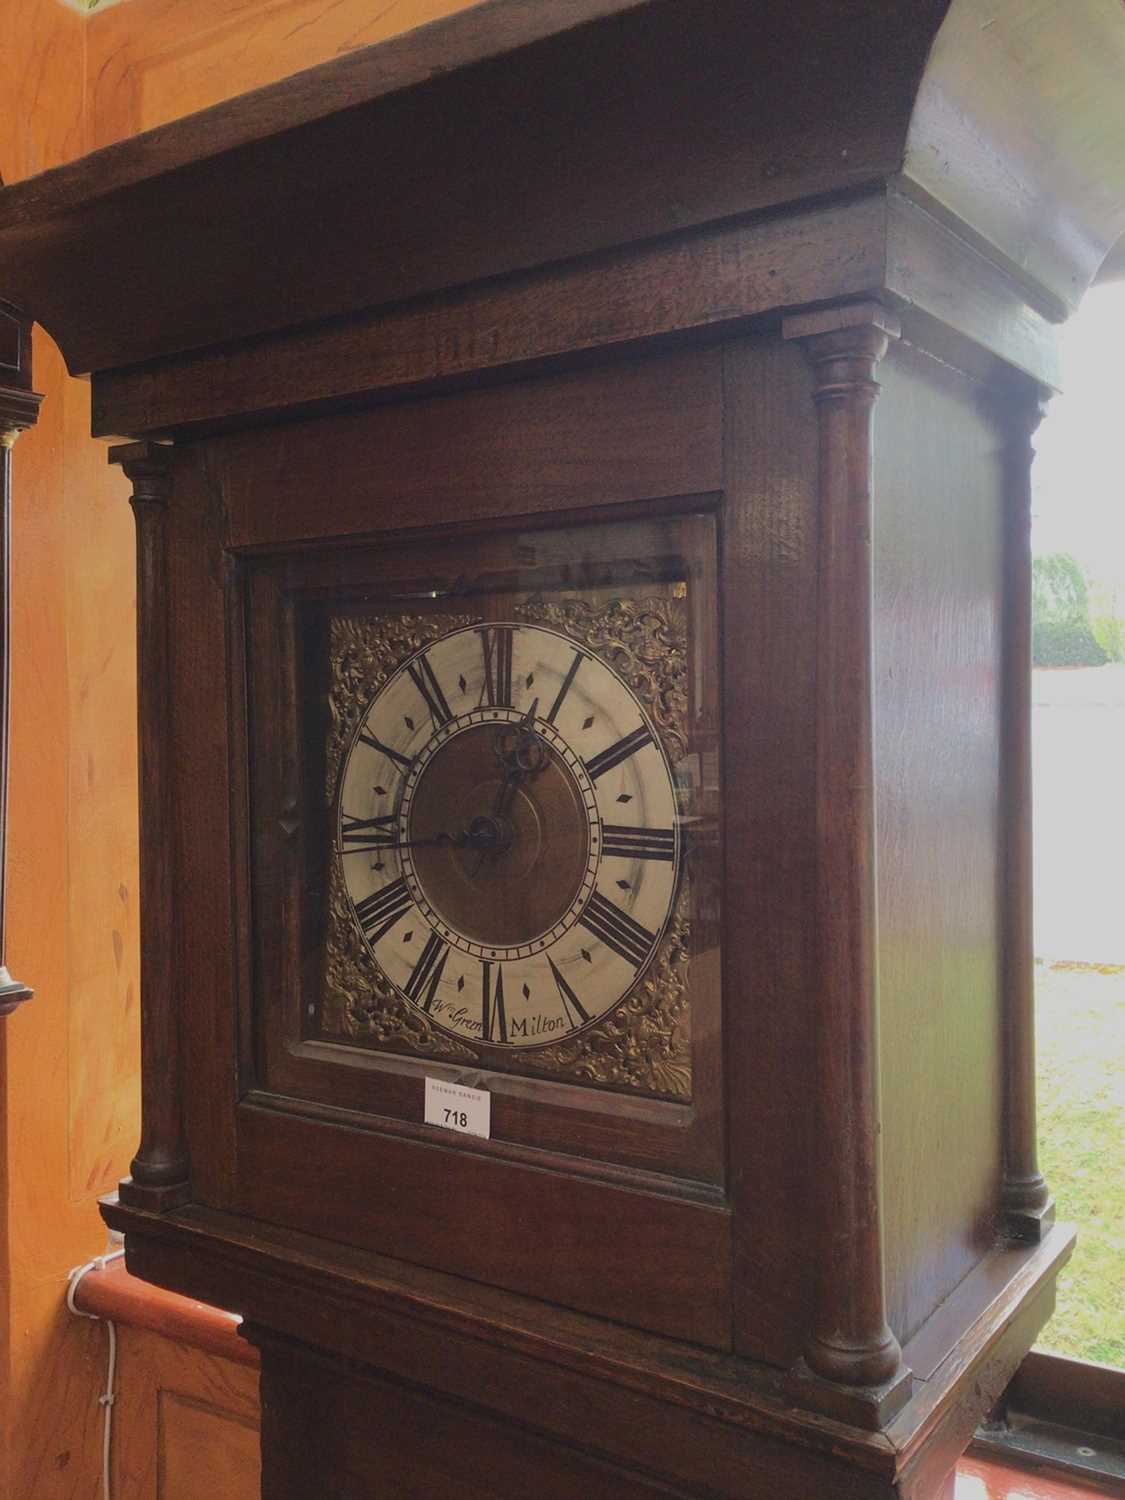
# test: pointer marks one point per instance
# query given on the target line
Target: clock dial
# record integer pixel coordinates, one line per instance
(507, 834)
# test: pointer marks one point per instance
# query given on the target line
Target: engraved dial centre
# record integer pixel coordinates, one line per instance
(509, 895)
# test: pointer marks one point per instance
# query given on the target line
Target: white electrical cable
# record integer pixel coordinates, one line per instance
(108, 1396)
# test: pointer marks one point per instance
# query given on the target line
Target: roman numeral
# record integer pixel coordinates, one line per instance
(496, 645)
(422, 675)
(403, 760)
(570, 1000)
(492, 1003)
(639, 843)
(617, 930)
(566, 686)
(428, 971)
(617, 753)
(368, 833)
(379, 912)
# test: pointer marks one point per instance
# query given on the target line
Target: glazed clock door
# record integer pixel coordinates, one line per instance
(480, 849)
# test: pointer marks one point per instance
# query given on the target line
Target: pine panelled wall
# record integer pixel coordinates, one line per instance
(69, 1060)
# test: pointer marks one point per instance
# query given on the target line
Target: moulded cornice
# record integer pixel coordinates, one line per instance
(517, 134)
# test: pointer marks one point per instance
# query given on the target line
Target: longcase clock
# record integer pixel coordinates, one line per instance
(581, 475)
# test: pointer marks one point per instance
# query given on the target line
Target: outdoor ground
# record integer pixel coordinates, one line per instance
(1081, 1015)
(1079, 747)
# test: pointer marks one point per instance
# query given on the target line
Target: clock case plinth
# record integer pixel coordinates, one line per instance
(667, 262)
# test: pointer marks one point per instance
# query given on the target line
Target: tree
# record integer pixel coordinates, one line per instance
(1060, 614)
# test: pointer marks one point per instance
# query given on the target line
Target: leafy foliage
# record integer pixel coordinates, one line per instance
(1061, 634)
(1107, 607)
(1109, 632)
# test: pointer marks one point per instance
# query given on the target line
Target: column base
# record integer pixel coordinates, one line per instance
(868, 1406)
(1030, 1225)
(155, 1198)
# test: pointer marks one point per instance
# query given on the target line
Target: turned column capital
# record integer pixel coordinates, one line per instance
(19, 404)
(19, 410)
(148, 467)
(851, 331)
(1018, 406)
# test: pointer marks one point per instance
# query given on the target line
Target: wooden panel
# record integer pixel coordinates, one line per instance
(124, 47)
(151, 64)
(376, 1438)
(71, 1066)
(712, 281)
(937, 560)
(41, 83)
(199, 577)
(67, 1129)
(684, 115)
(185, 1423)
(636, 432)
(35, 1050)
(203, 1451)
(768, 591)
(102, 797)
(665, 1265)
(1070, 1392)
(52, 1423)
(948, 1409)
(725, 1426)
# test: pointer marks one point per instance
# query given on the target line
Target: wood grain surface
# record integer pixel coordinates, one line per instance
(768, 590)
(147, 67)
(185, 1422)
(112, 1294)
(703, 285)
(938, 523)
(672, 127)
(70, 1063)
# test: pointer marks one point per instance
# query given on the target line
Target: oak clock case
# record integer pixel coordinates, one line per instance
(485, 843)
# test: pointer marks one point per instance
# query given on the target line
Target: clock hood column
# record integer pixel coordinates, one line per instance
(855, 1359)
(1025, 1197)
(160, 1168)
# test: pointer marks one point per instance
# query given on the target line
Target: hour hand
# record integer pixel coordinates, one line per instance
(529, 718)
(520, 750)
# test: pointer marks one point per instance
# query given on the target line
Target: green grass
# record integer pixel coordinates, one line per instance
(1081, 1042)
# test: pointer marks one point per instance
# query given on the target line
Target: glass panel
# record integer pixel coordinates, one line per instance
(490, 821)
(1079, 752)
